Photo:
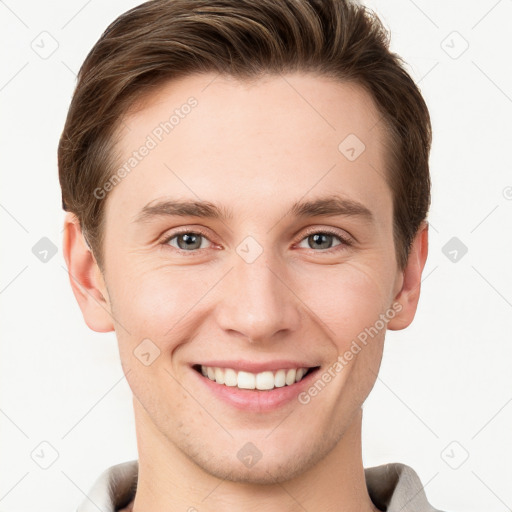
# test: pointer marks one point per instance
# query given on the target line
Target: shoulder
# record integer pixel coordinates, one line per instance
(114, 489)
(396, 487)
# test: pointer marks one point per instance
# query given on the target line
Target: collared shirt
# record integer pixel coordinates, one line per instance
(392, 487)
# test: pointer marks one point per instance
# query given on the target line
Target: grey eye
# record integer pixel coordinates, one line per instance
(187, 241)
(320, 240)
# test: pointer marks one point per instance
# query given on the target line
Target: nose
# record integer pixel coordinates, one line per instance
(258, 303)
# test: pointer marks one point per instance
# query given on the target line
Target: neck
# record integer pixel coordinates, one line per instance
(169, 480)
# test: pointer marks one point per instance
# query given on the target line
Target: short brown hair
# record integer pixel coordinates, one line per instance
(161, 40)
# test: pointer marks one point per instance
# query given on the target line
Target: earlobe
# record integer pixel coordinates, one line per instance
(409, 293)
(86, 278)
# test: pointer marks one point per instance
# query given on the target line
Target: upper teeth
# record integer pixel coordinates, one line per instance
(247, 380)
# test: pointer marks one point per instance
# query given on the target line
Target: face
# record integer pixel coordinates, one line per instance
(264, 279)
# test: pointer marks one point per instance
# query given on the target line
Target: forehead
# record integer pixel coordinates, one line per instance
(276, 138)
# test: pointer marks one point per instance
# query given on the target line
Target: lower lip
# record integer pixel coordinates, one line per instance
(254, 399)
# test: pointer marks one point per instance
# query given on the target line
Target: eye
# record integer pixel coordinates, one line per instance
(186, 240)
(190, 241)
(324, 240)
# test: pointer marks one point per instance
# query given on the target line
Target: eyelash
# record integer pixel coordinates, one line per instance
(345, 241)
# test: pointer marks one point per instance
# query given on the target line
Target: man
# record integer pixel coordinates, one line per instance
(247, 185)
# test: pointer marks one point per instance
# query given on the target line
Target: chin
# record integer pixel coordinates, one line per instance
(260, 474)
(273, 467)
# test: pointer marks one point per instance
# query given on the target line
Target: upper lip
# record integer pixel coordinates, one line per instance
(256, 367)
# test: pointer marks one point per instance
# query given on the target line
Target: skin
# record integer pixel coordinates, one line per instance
(255, 148)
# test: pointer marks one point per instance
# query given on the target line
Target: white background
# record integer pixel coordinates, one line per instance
(444, 391)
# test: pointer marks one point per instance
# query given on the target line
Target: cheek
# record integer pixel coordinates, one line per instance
(165, 304)
(156, 303)
(348, 299)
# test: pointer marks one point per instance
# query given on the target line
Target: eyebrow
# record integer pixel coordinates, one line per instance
(325, 206)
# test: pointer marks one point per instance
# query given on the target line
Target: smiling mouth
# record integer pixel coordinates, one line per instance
(262, 381)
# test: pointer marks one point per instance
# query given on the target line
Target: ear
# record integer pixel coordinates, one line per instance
(409, 290)
(86, 278)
